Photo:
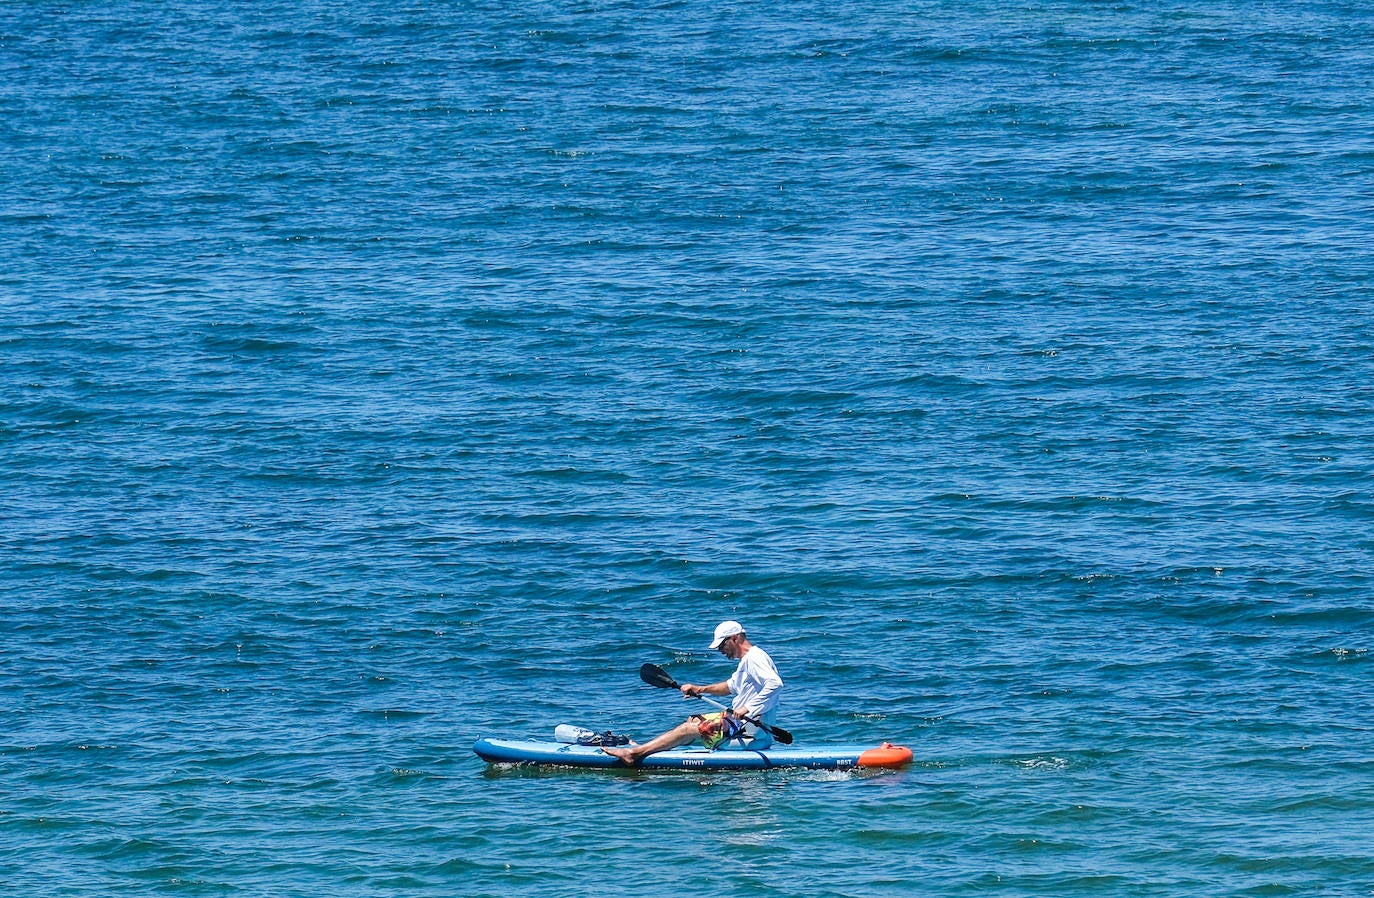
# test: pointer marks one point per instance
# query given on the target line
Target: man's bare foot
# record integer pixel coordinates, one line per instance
(624, 754)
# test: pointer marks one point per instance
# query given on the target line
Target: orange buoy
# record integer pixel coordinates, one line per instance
(888, 755)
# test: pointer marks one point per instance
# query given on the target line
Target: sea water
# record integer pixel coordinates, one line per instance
(382, 376)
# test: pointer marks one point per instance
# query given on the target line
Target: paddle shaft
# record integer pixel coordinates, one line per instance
(724, 708)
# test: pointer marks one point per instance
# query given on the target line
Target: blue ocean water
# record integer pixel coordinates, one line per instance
(377, 377)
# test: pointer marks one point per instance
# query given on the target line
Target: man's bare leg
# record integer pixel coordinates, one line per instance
(679, 735)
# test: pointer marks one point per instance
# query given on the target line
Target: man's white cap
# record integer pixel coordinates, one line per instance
(725, 631)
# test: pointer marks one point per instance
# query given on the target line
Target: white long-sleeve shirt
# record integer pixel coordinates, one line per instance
(756, 685)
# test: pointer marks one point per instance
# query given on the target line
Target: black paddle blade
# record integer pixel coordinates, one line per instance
(781, 735)
(657, 676)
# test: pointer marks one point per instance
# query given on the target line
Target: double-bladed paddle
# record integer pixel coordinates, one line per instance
(657, 676)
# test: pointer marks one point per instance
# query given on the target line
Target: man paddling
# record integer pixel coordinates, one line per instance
(755, 686)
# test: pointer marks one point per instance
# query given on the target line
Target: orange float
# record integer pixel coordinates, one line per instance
(886, 755)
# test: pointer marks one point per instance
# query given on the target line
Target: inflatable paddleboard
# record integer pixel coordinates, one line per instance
(824, 757)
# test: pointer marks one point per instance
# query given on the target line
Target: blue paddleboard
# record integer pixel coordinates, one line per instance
(825, 757)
